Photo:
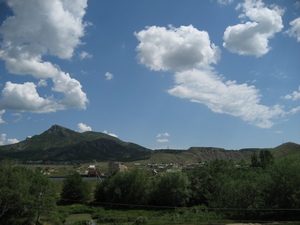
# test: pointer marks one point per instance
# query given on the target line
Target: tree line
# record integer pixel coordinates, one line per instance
(264, 189)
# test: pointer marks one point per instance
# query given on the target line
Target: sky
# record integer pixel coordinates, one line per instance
(162, 74)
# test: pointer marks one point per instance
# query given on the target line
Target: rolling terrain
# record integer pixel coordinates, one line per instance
(62, 144)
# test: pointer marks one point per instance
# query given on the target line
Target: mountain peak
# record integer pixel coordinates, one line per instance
(60, 131)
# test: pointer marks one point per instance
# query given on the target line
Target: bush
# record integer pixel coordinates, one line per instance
(141, 220)
(75, 189)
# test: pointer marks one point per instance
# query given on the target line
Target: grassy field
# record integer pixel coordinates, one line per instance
(100, 215)
(74, 214)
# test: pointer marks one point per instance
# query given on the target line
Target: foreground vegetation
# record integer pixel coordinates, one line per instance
(215, 192)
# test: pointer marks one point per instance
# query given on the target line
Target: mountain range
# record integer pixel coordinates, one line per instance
(62, 144)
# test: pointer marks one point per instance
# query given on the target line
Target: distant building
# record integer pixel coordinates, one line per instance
(116, 167)
(92, 172)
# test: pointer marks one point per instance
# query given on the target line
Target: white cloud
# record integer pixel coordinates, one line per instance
(225, 2)
(24, 97)
(189, 53)
(85, 55)
(163, 137)
(3, 140)
(294, 110)
(44, 26)
(252, 37)
(294, 96)
(83, 127)
(162, 140)
(42, 83)
(17, 117)
(239, 100)
(175, 49)
(40, 28)
(1, 113)
(294, 31)
(110, 134)
(109, 76)
(12, 141)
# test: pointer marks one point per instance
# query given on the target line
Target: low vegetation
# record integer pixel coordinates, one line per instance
(214, 192)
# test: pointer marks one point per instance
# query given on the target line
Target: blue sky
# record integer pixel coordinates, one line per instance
(177, 74)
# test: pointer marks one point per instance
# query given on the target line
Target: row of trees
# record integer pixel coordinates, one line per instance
(139, 187)
(268, 190)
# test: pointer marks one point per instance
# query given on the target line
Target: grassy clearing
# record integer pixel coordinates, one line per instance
(76, 213)
(195, 215)
(71, 219)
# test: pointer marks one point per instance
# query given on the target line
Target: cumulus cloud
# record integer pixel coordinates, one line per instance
(189, 53)
(252, 37)
(294, 96)
(175, 49)
(110, 134)
(4, 141)
(12, 141)
(39, 28)
(239, 100)
(83, 127)
(109, 76)
(294, 31)
(24, 97)
(162, 137)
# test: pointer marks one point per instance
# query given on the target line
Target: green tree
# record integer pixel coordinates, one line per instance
(171, 189)
(266, 158)
(75, 189)
(244, 190)
(20, 194)
(14, 194)
(204, 182)
(254, 160)
(42, 195)
(130, 187)
(285, 192)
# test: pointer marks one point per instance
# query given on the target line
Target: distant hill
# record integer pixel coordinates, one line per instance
(62, 144)
(199, 154)
(59, 144)
(286, 149)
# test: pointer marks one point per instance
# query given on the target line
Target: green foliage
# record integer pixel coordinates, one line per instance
(264, 160)
(24, 194)
(171, 189)
(245, 192)
(285, 184)
(139, 188)
(125, 188)
(75, 189)
(254, 160)
(141, 220)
